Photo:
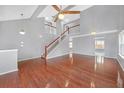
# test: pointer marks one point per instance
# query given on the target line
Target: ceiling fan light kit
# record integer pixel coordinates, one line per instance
(61, 16)
(61, 13)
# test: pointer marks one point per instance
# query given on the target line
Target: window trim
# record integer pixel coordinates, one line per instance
(122, 32)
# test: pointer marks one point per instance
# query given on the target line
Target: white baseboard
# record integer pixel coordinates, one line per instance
(93, 55)
(83, 54)
(8, 72)
(110, 57)
(20, 60)
(120, 63)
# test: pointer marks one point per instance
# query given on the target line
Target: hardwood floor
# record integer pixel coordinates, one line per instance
(79, 72)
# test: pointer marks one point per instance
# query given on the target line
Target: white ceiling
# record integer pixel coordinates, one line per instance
(12, 12)
(49, 11)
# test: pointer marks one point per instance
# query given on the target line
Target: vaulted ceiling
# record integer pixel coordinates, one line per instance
(49, 11)
(12, 12)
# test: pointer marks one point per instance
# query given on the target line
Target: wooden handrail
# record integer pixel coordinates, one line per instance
(53, 41)
(50, 25)
(67, 30)
(74, 26)
(47, 46)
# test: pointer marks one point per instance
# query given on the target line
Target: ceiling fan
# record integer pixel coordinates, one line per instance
(61, 13)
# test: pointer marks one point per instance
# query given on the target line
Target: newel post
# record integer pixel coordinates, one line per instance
(67, 27)
(45, 54)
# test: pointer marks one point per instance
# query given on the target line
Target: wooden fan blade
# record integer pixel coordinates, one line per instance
(71, 12)
(56, 18)
(56, 8)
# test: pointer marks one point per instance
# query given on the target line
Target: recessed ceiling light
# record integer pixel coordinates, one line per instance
(22, 42)
(22, 32)
(22, 45)
(70, 45)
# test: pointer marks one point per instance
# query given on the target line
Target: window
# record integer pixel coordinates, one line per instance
(70, 43)
(99, 44)
(121, 44)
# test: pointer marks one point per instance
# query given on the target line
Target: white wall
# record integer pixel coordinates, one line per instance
(8, 61)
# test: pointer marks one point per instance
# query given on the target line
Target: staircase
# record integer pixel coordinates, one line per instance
(48, 48)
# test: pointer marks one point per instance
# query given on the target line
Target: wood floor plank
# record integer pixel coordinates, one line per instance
(80, 71)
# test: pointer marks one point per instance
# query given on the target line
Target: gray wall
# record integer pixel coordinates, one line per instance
(61, 49)
(111, 45)
(33, 44)
(97, 18)
(83, 45)
(75, 30)
(86, 45)
(100, 19)
(8, 61)
(121, 27)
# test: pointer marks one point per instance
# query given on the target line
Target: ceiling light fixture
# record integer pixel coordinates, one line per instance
(22, 32)
(22, 45)
(61, 16)
(22, 42)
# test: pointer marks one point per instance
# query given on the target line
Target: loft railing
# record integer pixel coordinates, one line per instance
(52, 44)
(50, 25)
